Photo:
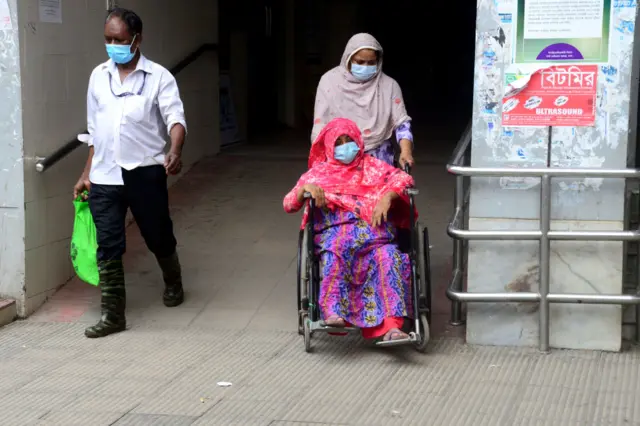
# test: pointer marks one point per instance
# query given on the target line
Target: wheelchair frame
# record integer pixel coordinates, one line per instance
(308, 284)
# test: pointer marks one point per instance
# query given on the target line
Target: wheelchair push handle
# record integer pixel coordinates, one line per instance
(312, 202)
(409, 191)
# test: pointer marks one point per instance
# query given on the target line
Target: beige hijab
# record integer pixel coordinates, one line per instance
(375, 105)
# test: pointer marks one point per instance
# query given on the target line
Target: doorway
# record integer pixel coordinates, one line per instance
(429, 49)
(262, 22)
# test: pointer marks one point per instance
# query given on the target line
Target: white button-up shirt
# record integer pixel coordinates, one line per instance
(129, 122)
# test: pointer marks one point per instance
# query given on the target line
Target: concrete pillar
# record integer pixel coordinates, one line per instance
(576, 204)
(12, 214)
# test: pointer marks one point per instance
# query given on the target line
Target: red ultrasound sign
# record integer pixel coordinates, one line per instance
(555, 96)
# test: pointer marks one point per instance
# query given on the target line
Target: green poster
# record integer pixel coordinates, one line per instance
(563, 31)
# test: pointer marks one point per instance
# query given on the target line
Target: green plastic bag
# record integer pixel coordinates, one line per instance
(84, 244)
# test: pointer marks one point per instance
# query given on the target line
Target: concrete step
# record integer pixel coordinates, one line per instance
(8, 311)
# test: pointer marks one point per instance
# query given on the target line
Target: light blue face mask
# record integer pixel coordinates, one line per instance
(121, 54)
(363, 72)
(346, 153)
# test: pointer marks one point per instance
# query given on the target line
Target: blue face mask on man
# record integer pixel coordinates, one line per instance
(363, 72)
(346, 153)
(121, 54)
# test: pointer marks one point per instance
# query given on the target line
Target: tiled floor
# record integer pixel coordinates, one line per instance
(238, 325)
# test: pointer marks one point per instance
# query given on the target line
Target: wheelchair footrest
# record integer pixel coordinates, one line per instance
(320, 327)
(411, 340)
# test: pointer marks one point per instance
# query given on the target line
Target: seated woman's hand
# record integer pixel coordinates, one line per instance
(316, 192)
(382, 209)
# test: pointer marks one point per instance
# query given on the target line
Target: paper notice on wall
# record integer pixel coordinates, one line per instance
(50, 11)
(554, 96)
(506, 10)
(5, 16)
(562, 31)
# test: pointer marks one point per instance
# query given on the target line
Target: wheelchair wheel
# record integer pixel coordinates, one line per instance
(299, 280)
(307, 333)
(420, 258)
(303, 274)
(424, 333)
(424, 265)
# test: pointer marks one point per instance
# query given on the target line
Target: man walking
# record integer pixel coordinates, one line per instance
(132, 103)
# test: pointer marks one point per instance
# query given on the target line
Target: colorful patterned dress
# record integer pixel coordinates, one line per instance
(365, 278)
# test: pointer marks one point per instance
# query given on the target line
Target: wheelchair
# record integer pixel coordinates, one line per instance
(414, 242)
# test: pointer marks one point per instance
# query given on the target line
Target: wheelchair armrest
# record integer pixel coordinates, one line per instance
(410, 191)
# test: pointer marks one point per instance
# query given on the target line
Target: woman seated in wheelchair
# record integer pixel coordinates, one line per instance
(365, 278)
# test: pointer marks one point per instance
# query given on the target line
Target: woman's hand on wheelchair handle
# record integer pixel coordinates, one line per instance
(406, 154)
(316, 192)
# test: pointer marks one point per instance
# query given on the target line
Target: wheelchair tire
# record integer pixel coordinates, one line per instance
(426, 278)
(307, 333)
(303, 274)
(424, 333)
(299, 280)
(420, 258)
(423, 270)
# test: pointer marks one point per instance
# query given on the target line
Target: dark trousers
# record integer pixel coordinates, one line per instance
(145, 193)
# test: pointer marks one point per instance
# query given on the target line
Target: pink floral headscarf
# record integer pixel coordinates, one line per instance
(356, 187)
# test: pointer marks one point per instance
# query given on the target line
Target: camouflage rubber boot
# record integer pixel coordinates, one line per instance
(172, 275)
(113, 301)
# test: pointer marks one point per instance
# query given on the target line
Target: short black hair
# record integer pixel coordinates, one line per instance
(129, 17)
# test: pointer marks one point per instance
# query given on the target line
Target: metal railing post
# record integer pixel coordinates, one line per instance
(458, 252)
(457, 230)
(638, 321)
(545, 260)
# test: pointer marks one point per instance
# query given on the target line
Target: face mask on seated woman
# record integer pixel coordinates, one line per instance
(346, 153)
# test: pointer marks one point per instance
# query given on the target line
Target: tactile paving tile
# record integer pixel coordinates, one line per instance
(344, 382)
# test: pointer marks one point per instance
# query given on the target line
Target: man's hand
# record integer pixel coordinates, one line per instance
(317, 194)
(83, 184)
(173, 163)
(382, 210)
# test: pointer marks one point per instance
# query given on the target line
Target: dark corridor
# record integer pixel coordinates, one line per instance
(429, 50)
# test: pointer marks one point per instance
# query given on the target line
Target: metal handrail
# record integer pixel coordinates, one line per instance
(544, 235)
(43, 163)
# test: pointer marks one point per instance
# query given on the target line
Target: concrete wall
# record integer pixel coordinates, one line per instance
(577, 204)
(11, 164)
(56, 61)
